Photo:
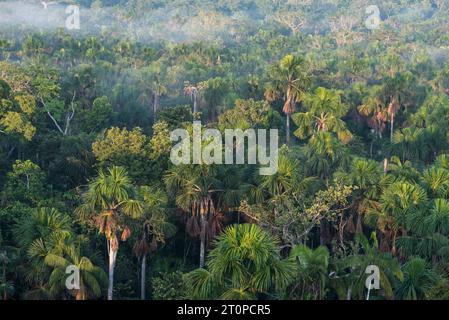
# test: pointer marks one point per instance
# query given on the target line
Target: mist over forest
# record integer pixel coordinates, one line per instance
(358, 91)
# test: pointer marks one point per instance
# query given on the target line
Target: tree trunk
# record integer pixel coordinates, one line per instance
(195, 107)
(155, 105)
(287, 129)
(203, 240)
(393, 248)
(112, 259)
(391, 127)
(142, 277)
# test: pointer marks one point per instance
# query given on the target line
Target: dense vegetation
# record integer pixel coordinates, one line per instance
(363, 179)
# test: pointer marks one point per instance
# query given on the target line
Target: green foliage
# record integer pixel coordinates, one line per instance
(348, 279)
(418, 279)
(99, 116)
(121, 147)
(26, 183)
(245, 263)
(312, 271)
(324, 111)
(169, 286)
(16, 109)
(249, 114)
(85, 122)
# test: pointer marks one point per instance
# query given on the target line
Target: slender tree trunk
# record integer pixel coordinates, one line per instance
(142, 277)
(393, 248)
(195, 107)
(287, 129)
(349, 294)
(155, 105)
(391, 126)
(112, 259)
(203, 240)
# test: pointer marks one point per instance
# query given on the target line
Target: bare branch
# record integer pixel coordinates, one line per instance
(72, 114)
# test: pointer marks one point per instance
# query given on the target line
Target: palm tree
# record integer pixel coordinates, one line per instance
(194, 187)
(418, 280)
(442, 161)
(244, 263)
(40, 231)
(269, 191)
(151, 79)
(398, 201)
(407, 143)
(192, 92)
(108, 203)
(323, 154)
(436, 181)
(427, 231)
(323, 112)
(373, 108)
(214, 91)
(155, 228)
(366, 176)
(281, 182)
(287, 79)
(91, 277)
(394, 91)
(402, 171)
(231, 190)
(312, 270)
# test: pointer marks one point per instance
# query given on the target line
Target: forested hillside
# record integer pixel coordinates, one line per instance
(86, 180)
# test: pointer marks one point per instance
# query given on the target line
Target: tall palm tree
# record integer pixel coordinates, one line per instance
(323, 112)
(152, 82)
(244, 263)
(108, 203)
(193, 92)
(287, 79)
(194, 187)
(394, 91)
(374, 109)
(155, 228)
